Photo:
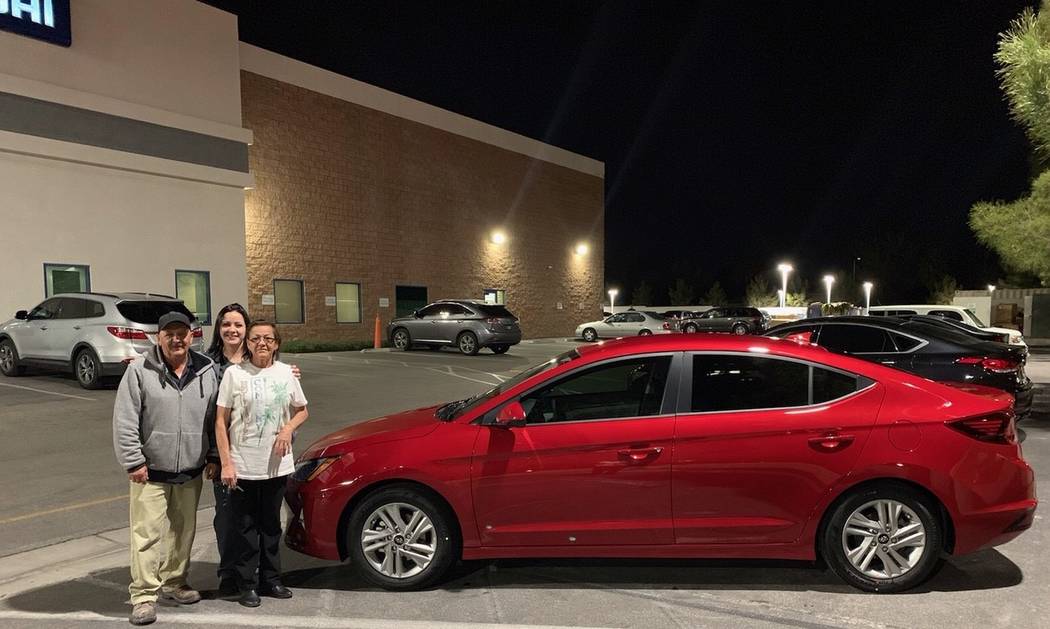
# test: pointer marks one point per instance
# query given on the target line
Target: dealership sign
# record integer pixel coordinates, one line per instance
(41, 19)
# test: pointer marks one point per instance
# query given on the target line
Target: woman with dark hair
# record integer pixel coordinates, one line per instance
(260, 405)
(227, 348)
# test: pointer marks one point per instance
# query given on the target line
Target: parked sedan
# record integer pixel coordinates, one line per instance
(675, 446)
(932, 350)
(631, 323)
(738, 320)
(466, 324)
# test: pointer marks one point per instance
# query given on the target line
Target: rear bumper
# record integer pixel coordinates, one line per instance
(488, 338)
(111, 370)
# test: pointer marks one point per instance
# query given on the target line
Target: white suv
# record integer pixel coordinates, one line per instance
(94, 335)
(955, 313)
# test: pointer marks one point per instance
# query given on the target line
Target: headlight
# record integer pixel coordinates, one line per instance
(306, 471)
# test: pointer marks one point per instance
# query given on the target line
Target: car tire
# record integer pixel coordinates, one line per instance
(590, 335)
(645, 333)
(401, 339)
(10, 364)
(740, 329)
(689, 328)
(499, 349)
(860, 540)
(467, 343)
(384, 564)
(88, 369)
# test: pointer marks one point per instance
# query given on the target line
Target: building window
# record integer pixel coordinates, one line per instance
(288, 301)
(66, 278)
(408, 299)
(495, 296)
(347, 302)
(194, 289)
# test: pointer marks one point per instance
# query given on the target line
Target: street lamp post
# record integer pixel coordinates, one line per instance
(828, 281)
(612, 300)
(867, 296)
(855, 261)
(991, 288)
(784, 270)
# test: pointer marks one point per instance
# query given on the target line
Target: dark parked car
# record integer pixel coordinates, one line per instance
(735, 319)
(932, 350)
(467, 324)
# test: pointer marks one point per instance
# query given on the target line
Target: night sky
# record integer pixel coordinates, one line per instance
(735, 135)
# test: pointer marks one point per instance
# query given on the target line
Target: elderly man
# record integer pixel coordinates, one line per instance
(164, 405)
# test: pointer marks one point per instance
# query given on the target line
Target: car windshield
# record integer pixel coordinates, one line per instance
(453, 410)
(150, 312)
(973, 318)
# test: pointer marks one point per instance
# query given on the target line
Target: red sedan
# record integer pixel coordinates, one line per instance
(675, 446)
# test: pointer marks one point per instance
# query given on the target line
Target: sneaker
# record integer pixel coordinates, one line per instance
(143, 613)
(183, 595)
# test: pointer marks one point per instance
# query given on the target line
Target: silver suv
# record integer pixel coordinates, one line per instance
(94, 335)
(468, 324)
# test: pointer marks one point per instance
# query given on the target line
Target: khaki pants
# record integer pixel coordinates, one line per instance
(163, 523)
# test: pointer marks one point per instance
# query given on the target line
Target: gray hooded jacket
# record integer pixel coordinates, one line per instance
(156, 423)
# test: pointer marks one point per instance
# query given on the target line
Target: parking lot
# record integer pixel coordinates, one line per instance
(63, 556)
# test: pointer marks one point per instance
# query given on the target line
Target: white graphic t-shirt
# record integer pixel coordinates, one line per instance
(260, 403)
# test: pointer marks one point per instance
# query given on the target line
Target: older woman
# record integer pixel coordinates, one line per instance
(260, 405)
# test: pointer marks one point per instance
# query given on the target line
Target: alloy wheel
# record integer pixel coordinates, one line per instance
(401, 339)
(7, 358)
(86, 368)
(467, 344)
(883, 539)
(399, 540)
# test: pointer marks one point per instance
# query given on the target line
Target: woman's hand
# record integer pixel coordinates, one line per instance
(295, 372)
(229, 476)
(211, 471)
(282, 445)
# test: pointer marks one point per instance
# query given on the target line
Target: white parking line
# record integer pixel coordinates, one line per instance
(271, 620)
(456, 375)
(75, 397)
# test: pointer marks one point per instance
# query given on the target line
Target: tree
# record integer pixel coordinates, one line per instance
(759, 294)
(642, 295)
(715, 296)
(943, 290)
(682, 293)
(1019, 231)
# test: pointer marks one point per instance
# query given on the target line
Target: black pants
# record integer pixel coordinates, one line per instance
(255, 531)
(223, 523)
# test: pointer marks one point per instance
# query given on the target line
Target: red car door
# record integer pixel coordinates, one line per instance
(761, 441)
(591, 467)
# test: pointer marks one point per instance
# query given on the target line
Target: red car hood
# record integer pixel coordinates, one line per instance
(415, 423)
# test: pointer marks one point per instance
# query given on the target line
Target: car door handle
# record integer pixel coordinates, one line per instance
(640, 454)
(76, 327)
(43, 328)
(831, 442)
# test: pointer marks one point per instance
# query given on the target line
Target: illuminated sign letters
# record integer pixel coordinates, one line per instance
(41, 19)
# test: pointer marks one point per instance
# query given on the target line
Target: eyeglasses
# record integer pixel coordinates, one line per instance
(258, 340)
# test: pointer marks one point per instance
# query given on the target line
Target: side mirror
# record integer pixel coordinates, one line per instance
(510, 416)
(415, 313)
(22, 315)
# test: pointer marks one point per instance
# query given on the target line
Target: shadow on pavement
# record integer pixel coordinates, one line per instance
(985, 570)
(104, 592)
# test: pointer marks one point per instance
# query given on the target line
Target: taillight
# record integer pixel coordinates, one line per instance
(995, 365)
(997, 428)
(128, 334)
(198, 333)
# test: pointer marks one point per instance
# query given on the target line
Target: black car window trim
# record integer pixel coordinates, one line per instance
(922, 342)
(685, 383)
(667, 405)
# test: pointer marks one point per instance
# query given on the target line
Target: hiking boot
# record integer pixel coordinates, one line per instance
(143, 613)
(183, 595)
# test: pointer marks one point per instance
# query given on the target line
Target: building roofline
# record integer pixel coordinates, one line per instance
(285, 69)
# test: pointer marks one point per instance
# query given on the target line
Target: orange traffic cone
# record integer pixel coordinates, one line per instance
(378, 341)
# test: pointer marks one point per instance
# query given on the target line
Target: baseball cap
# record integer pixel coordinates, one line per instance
(173, 317)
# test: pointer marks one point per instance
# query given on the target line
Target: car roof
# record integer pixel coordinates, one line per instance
(469, 302)
(930, 306)
(127, 296)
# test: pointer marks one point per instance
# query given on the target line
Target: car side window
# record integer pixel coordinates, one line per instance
(904, 343)
(635, 317)
(831, 385)
(712, 314)
(625, 388)
(46, 310)
(95, 309)
(733, 382)
(431, 310)
(615, 319)
(72, 308)
(947, 314)
(855, 339)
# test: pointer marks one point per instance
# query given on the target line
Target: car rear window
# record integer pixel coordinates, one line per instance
(495, 310)
(150, 312)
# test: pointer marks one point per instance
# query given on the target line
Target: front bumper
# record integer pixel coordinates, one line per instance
(1023, 397)
(313, 526)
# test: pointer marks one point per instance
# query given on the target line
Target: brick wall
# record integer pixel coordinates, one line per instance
(345, 193)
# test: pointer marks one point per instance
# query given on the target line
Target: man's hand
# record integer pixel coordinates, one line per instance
(211, 471)
(229, 476)
(282, 445)
(140, 475)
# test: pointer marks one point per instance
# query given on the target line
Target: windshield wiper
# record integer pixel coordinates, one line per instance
(448, 411)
